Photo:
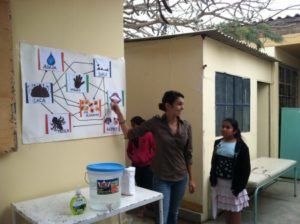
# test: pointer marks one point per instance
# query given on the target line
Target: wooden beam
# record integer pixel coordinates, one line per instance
(7, 98)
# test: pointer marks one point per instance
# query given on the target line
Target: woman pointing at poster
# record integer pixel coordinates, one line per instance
(172, 164)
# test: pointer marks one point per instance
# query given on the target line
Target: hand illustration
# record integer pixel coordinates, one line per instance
(77, 81)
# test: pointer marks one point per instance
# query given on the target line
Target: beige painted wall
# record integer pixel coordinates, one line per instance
(274, 111)
(77, 25)
(222, 58)
(284, 57)
(153, 67)
(263, 119)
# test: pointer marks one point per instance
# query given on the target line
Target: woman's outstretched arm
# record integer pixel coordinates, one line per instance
(122, 122)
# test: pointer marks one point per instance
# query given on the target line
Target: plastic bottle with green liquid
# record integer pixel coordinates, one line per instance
(78, 203)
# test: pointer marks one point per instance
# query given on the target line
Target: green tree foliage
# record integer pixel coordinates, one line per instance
(252, 34)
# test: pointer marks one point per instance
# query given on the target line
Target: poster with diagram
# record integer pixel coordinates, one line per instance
(67, 95)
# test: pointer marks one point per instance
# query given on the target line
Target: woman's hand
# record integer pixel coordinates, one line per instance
(115, 107)
(192, 186)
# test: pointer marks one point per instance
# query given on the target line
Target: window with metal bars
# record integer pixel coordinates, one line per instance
(288, 87)
(232, 100)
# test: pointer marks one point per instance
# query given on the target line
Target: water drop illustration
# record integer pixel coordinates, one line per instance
(51, 60)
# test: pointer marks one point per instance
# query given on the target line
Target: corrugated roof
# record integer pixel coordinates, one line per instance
(286, 17)
(216, 35)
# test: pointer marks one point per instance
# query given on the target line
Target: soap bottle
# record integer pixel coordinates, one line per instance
(78, 203)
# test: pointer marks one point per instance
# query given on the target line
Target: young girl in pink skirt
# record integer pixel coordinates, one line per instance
(230, 170)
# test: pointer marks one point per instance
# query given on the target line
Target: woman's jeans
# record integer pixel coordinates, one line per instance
(173, 192)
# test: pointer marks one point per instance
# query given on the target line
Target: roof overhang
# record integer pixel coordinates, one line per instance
(216, 35)
(290, 44)
(293, 49)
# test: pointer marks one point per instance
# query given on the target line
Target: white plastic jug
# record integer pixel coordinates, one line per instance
(128, 181)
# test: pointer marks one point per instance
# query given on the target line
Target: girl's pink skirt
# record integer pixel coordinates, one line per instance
(222, 198)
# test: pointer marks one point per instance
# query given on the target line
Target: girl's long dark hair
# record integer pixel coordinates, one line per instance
(138, 121)
(235, 126)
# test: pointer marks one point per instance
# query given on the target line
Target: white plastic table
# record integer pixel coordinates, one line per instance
(54, 209)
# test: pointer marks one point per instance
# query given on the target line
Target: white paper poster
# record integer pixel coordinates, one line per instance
(67, 95)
